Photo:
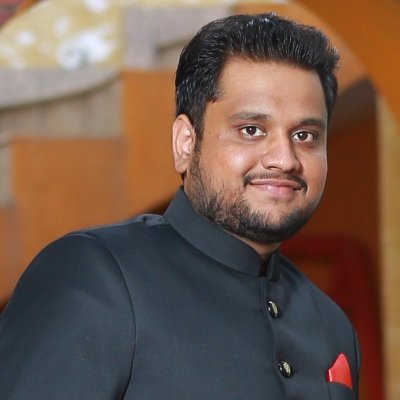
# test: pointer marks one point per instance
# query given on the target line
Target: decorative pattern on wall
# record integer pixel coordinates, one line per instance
(70, 34)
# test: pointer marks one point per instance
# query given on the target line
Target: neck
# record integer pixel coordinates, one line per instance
(264, 250)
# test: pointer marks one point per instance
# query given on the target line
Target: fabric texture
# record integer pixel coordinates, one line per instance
(169, 307)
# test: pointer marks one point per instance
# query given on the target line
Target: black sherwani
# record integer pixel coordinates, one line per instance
(169, 308)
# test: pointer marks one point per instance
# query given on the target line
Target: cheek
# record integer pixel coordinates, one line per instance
(235, 163)
(234, 166)
(239, 159)
(318, 172)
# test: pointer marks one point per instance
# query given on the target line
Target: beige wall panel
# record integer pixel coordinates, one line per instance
(5, 165)
(103, 108)
(95, 112)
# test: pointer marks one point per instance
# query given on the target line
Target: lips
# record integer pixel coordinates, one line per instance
(277, 188)
(275, 182)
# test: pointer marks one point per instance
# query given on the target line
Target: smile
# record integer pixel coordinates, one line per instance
(277, 187)
(292, 184)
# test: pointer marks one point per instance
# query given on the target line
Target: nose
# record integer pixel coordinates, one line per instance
(280, 154)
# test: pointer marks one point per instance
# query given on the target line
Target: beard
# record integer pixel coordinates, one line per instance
(228, 208)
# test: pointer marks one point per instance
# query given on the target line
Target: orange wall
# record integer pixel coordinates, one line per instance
(64, 184)
(148, 114)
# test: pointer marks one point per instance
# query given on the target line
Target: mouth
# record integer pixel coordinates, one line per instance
(278, 185)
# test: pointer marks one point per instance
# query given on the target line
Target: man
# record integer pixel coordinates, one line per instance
(199, 304)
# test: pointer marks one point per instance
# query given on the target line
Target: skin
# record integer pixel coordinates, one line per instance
(264, 144)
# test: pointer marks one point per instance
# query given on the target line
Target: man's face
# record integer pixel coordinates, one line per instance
(259, 171)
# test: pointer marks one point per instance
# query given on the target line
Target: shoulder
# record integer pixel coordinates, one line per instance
(67, 269)
(138, 223)
(90, 259)
(76, 276)
(137, 229)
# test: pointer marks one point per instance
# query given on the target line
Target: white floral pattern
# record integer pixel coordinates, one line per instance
(69, 34)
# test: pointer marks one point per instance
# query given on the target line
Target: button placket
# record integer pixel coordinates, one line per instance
(271, 306)
(285, 369)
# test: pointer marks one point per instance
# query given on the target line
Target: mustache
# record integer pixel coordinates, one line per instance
(274, 175)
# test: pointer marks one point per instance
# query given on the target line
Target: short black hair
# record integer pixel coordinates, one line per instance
(259, 37)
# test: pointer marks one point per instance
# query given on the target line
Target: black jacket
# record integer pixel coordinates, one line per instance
(169, 307)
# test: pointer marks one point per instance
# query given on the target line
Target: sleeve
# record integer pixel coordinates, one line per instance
(68, 331)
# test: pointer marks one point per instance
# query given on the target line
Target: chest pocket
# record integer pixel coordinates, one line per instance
(338, 391)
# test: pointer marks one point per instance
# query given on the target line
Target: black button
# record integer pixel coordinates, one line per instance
(273, 309)
(285, 369)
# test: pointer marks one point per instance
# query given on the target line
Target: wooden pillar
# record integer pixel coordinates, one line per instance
(389, 189)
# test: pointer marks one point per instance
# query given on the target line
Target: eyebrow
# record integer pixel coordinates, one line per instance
(313, 122)
(256, 116)
(249, 115)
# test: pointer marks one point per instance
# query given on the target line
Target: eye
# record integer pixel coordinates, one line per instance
(304, 136)
(252, 131)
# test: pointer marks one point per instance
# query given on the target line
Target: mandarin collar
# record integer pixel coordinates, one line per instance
(216, 243)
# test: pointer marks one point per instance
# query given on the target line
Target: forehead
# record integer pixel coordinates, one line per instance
(257, 83)
(239, 71)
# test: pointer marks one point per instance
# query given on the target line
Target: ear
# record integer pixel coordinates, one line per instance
(183, 139)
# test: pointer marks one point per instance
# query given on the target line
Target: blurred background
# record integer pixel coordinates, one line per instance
(86, 106)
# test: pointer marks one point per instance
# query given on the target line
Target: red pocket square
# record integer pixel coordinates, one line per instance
(340, 372)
